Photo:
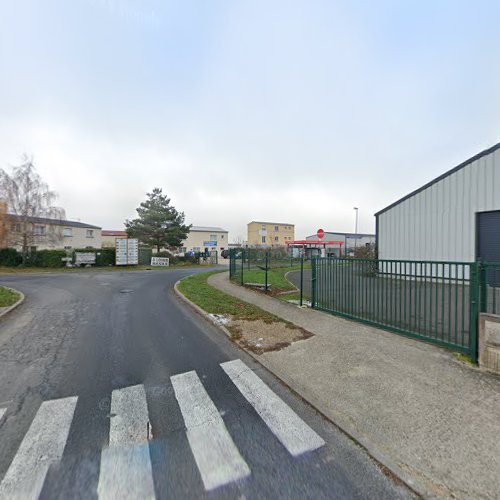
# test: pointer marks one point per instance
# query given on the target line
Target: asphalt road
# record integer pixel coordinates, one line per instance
(112, 388)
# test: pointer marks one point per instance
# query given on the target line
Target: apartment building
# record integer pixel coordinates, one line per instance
(269, 234)
(51, 233)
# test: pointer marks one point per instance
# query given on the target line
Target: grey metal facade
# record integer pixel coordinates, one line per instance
(439, 220)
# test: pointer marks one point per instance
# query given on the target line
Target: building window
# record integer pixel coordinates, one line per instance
(183, 249)
(67, 248)
(39, 230)
(276, 238)
(213, 237)
(196, 249)
(68, 232)
(90, 233)
(221, 236)
(16, 228)
(276, 228)
(263, 239)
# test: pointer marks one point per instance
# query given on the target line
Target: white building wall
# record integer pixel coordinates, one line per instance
(438, 223)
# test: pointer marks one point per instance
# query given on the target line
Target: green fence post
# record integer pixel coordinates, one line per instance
(313, 282)
(483, 286)
(242, 264)
(301, 278)
(473, 322)
(267, 260)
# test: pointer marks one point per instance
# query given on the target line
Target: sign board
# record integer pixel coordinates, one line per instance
(160, 261)
(209, 243)
(320, 234)
(84, 258)
(127, 251)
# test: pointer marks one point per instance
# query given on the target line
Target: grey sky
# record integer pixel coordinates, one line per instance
(291, 111)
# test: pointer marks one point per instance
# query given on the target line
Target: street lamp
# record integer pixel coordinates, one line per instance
(356, 230)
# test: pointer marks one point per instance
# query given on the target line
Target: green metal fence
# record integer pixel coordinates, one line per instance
(252, 266)
(489, 273)
(434, 301)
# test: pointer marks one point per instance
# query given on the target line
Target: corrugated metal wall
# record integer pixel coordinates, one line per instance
(438, 223)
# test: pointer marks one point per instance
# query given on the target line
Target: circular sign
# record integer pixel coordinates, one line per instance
(320, 233)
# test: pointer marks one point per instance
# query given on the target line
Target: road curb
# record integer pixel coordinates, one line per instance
(13, 306)
(387, 464)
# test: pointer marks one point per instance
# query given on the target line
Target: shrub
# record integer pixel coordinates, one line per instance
(46, 258)
(10, 257)
(105, 257)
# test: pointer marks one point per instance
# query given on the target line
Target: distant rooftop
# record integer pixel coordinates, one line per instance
(112, 232)
(57, 222)
(208, 228)
(275, 223)
(359, 235)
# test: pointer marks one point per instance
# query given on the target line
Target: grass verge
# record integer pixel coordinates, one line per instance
(8, 297)
(250, 327)
(211, 300)
(275, 277)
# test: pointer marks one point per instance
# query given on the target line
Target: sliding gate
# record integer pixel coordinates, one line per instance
(434, 301)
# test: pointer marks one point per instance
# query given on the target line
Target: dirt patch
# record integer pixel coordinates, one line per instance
(259, 336)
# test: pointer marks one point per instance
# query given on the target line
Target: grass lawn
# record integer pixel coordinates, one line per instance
(275, 277)
(211, 300)
(8, 297)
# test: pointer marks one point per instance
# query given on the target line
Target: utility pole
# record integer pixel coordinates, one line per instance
(356, 230)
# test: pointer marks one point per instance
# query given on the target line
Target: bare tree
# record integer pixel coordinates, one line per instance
(27, 197)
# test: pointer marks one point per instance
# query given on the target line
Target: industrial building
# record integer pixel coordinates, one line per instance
(345, 243)
(455, 217)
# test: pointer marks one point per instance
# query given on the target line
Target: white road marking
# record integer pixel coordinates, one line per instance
(295, 435)
(126, 470)
(42, 446)
(215, 453)
(2, 412)
(129, 416)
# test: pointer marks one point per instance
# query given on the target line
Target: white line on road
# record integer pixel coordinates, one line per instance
(42, 446)
(2, 412)
(215, 453)
(295, 435)
(126, 470)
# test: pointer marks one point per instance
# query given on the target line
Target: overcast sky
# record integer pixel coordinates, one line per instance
(292, 111)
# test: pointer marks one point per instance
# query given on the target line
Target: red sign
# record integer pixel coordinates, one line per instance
(320, 233)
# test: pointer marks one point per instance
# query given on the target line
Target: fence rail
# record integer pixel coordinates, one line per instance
(435, 301)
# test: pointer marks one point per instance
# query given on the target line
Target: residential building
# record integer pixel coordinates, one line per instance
(455, 217)
(51, 233)
(109, 237)
(205, 239)
(345, 243)
(269, 234)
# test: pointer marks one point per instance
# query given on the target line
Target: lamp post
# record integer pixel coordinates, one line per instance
(356, 230)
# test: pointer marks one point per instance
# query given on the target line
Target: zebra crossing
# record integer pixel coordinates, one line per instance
(125, 468)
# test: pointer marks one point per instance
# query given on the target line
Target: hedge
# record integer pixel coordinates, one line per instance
(10, 257)
(46, 258)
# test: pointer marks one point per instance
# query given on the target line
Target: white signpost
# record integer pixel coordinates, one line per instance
(160, 261)
(127, 251)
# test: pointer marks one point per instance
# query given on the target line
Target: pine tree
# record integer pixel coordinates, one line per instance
(159, 224)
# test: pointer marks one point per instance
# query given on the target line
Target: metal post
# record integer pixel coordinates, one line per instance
(483, 285)
(267, 259)
(356, 230)
(473, 322)
(313, 282)
(242, 263)
(301, 278)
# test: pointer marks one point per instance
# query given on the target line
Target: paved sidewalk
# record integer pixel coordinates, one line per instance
(414, 406)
